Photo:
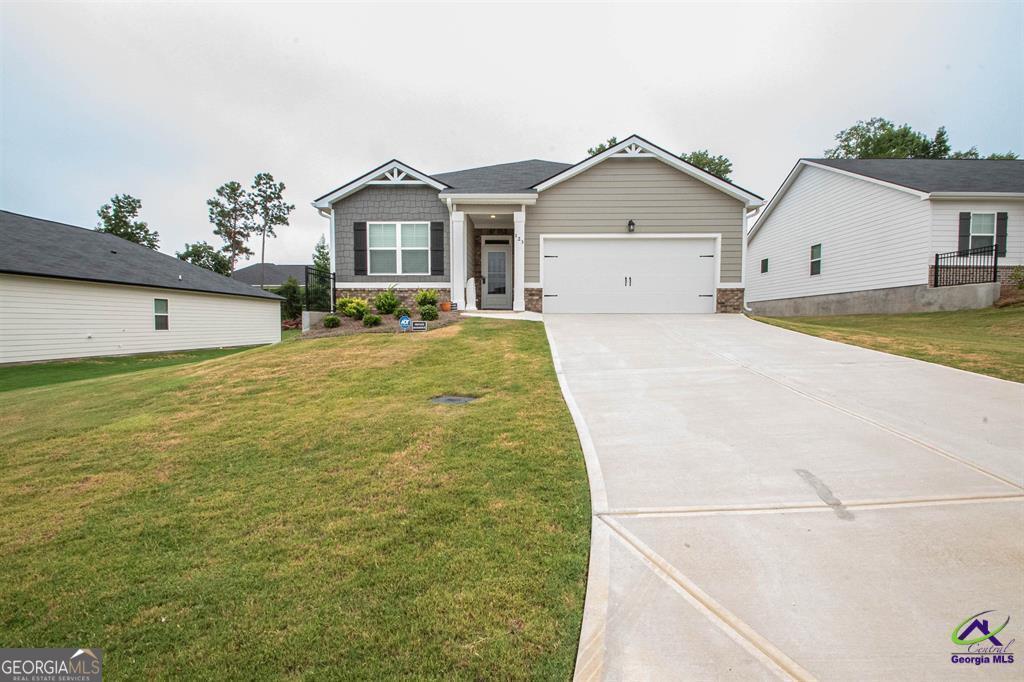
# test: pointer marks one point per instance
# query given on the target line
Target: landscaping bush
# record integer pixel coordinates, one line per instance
(353, 307)
(371, 320)
(386, 301)
(1017, 276)
(428, 312)
(331, 321)
(402, 310)
(291, 306)
(427, 297)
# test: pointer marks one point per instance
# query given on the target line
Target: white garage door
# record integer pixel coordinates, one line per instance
(629, 275)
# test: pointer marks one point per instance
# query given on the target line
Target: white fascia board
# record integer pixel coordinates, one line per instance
(368, 179)
(652, 151)
(976, 195)
(530, 198)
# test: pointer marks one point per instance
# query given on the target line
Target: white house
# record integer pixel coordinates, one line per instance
(848, 236)
(70, 292)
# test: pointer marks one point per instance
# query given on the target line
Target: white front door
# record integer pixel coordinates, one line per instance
(629, 274)
(496, 268)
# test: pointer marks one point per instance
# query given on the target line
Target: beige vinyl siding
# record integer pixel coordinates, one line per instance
(946, 224)
(44, 318)
(872, 237)
(655, 195)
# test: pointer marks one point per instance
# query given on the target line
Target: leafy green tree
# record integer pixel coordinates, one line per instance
(267, 202)
(716, 165)
(205, 256)
(322, 256)
(879, 138)
(291, 307)
(120, 218)
(231, 213)
(604, 146)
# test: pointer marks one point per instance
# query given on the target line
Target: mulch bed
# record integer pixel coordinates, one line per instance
(388, 325)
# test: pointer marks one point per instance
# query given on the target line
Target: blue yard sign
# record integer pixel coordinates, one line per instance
(404, 322)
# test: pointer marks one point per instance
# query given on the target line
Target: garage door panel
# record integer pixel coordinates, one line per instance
(629, 275)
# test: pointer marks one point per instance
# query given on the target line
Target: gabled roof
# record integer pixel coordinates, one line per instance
(516, 178)
(635, 146)
(276, 275)
(33, 246)
(394, 173)
(938, 175)
(924, 178)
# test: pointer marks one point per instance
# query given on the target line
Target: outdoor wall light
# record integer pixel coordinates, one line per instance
(631, 226)
(493, 217)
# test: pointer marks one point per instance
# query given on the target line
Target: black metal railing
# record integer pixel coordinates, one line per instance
(319, 290)
(970, 266)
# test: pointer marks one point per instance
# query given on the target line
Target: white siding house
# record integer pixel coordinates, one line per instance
(860, 236)
(68, 292)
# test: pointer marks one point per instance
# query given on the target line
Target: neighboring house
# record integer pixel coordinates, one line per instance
(70, 292)
(847, 236)
(633, 229)
(272, 276)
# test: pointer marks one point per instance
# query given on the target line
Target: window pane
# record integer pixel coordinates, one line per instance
(161, 322)
(416, 235)
(415, 262)
(160, 306)
(983, 223)
(382, 235)
(383, 262)
(816, 251)
(983, 240)
(815, 267)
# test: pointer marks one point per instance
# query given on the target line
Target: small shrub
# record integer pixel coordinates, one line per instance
(427, 297)
(428, 312)
(386, 301)
(332, 321)
(354, 308)
(401, 311)
(1017, 276)
(371, 320)
(291, 306)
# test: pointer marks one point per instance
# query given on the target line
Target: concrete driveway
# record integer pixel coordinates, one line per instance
(769, 504)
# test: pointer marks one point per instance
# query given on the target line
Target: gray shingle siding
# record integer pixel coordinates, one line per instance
(378, 203)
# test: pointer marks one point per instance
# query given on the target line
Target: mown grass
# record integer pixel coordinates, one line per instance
(988, 341)
(303, 511)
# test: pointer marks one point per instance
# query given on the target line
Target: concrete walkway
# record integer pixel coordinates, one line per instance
(772, 505)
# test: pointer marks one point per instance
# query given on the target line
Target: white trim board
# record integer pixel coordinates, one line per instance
(394, 173)
(397, 285)
(636, 147)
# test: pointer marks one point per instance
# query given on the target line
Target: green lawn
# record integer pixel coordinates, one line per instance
(988, 341)
(59, 371)
(303, 510)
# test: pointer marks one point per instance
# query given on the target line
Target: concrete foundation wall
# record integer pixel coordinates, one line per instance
(912, 299)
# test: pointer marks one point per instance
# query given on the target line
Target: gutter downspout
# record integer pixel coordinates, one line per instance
(746, 220)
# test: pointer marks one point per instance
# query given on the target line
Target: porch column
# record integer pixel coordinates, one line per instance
(457, 259)
(519, 260)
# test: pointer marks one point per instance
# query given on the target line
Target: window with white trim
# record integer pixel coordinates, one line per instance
(160, 315)
(816, 259)
(398, 248)
(983, 230)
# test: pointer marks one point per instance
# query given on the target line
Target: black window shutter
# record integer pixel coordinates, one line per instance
(1001, 234)
(437, 248)
(965, 232)
(359, 247)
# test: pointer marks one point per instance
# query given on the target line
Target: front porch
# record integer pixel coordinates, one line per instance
(488, 255)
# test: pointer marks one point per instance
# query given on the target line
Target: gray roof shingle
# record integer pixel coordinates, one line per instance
(275, 275)
(520, 176)
(938, 175)
(33, 246)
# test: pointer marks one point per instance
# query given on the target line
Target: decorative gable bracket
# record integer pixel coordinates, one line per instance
(633, 151)
(393, 173)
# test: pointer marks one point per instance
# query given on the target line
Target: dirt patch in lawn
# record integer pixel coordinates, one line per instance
(388, 325)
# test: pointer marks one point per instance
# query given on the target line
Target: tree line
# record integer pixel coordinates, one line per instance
(876, 138)
(237, 214)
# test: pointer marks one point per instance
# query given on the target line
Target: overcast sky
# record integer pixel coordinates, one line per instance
(166, 102)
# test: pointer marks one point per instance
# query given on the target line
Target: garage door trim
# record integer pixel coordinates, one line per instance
(717, 236)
